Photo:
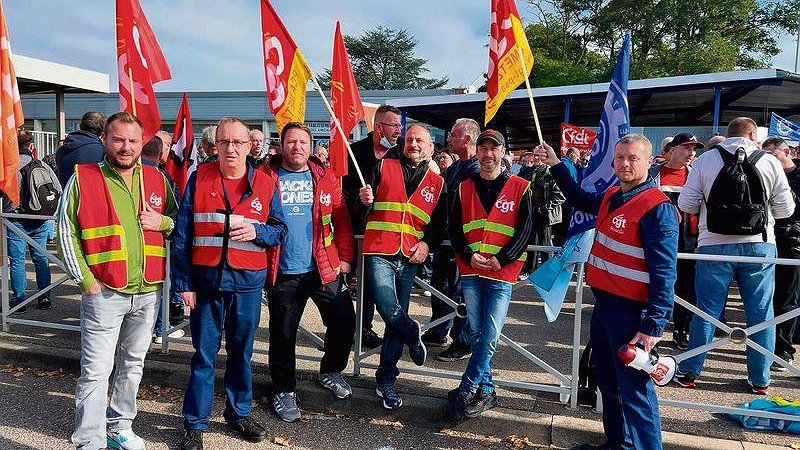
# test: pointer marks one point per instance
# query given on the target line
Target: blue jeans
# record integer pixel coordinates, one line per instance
(237, 313)
(487, 305)
(390, 282)
(756, 285)
(37, 230)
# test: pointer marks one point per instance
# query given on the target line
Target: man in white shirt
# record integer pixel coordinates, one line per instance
(756, 281)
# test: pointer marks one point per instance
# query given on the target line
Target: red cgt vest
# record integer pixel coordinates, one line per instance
(488, 233)
(212, 220)
(102, 236)
(616, 263)
(396, 221)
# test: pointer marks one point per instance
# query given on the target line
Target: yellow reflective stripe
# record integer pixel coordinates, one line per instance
(104, 231)
(394, 227)
(327, 240)
(326, 219)
(524, 257)
(499, 228)
(155, 250)
(489, 248)
(388, 206)
(473, 225)
(422, 215)
(104, 257)
(475, 246)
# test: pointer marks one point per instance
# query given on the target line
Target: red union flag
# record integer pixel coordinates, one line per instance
(182, 160)
(505, 70)
(578, 137)
(10, 115)
(141, 64)
(285, 70)
(345, 101)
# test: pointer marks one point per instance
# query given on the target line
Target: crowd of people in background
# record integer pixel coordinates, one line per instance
(267, 220)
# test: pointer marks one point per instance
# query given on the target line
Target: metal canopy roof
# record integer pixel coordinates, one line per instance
(38, 76)
(670, 101)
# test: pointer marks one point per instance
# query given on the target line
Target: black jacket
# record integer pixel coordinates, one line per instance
(787, 231)
(687, 237)
(79, 147)
(546, 195)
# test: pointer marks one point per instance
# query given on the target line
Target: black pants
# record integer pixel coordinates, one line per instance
(785, 299)
(445, 278)
(287, 300)
(684, 288)
(542, 235)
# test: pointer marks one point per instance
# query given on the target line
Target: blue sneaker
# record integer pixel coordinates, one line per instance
(391, 399)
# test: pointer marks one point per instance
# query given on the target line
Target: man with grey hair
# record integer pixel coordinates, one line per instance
(258, 153)
(631, 270)
(208, 146)
(445, 277)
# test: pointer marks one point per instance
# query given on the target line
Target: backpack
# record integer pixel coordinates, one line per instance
(587, 379)
(737, 204)
(40, 189)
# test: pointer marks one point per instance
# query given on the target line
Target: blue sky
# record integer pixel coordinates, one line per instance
(215, 44)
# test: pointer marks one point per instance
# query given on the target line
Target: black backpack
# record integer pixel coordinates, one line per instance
(737, 204)
(40, 189)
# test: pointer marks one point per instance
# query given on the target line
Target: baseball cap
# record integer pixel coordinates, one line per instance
(685, 138)
(492, 135)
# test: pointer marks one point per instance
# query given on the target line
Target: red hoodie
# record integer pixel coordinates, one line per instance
(328, 200)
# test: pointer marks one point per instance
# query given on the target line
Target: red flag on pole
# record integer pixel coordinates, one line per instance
(11, 116)
(345, 101)
(141, 64)
(285, 70)
(182, 160)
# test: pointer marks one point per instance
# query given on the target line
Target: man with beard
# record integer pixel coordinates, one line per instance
(382, 143)
(490, 224)
(407, 218)
(114, 248)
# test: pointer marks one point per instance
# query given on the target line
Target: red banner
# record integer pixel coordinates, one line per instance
(141, 64)
(345, 101)
(11, 114)
(578, 137)
(182, 160)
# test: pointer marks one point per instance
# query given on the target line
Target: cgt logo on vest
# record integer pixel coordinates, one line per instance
(325, 199)
(427, 194)
(256, 205)
(504, 205)
(155, 200)
(619, 222)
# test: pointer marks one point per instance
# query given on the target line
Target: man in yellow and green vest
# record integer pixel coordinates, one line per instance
(489, 224)
(407, 218)
(112, 225)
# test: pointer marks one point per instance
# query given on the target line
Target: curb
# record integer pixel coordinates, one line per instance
(419, 410)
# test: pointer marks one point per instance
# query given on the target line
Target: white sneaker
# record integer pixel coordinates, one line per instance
(426, 293)
(124, 440)
(179, 333)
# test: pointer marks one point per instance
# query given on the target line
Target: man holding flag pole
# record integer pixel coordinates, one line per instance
(631, 268)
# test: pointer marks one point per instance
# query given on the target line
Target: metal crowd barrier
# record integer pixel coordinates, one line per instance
(567, 386)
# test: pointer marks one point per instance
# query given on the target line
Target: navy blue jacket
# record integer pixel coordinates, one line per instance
(659, 233)
(190, 278)
(79, 147)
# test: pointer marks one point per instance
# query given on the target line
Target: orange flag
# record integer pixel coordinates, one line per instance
(141, 64)
(345, 101)
(505, 67)
(285, 70)
(10, 115)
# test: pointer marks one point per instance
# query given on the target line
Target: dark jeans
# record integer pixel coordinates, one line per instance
(785, 299)
(391, 281)
(684, 288)
(286, 301)
(445, 278)
(368, 311)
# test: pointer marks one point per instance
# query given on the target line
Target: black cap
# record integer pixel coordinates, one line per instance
(684, 138)
(492, 135)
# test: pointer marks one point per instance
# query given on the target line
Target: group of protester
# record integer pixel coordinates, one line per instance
(249, 221)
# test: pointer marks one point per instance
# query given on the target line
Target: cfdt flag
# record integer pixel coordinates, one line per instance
(182, 160)
(780, 127)
(141, 64)
(345, 102)
(505, 69)
(551, 279)
(578, 137)
(285, 70)
(11, 116)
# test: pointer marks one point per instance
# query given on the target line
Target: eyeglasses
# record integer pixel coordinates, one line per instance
(393, 125)
(237, 144)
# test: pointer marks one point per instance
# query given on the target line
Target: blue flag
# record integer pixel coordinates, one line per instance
(551, 280)
(780, 127)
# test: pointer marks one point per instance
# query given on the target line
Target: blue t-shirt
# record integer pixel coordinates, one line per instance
(297, 198)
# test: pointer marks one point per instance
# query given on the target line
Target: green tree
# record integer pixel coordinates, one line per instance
(383, 58)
